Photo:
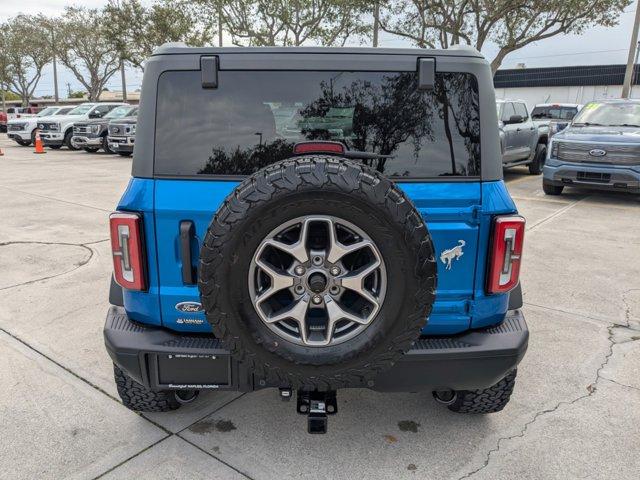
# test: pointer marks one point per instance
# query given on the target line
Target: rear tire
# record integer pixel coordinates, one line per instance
(124, 154)
(91, 149)
(550, 189)
(24, 143)
(535, 167)
(488, 400)
(55, 147)
(139, 398)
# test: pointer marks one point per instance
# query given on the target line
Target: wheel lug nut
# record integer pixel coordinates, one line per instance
(335, 271)
(334, 290)
(299, 270)
(317, 260)
(299, 289)
(316, 299)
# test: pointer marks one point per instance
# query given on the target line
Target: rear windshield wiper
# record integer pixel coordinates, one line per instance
(364, 155)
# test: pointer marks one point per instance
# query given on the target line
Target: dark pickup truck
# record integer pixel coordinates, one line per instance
(122, 135)
(92, 135)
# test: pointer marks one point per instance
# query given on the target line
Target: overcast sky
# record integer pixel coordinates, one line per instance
(595, 46)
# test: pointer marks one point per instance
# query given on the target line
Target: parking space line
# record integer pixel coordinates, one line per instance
(555, 214)
(573, 314)
(132, 457)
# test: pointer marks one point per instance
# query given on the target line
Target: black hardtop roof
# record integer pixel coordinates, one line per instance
(182, 49)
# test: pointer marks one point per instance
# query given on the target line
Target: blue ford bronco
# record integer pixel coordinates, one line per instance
(313, 219)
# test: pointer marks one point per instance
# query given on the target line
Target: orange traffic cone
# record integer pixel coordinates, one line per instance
(39, 147)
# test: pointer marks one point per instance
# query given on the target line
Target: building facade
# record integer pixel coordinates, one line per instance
(575, 84)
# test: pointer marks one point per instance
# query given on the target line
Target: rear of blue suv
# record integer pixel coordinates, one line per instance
(315, 219)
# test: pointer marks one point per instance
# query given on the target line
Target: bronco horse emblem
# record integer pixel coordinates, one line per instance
(448, 256)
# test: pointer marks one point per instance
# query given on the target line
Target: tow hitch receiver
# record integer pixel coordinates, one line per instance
(317, 405)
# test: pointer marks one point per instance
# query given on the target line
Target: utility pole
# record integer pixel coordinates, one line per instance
(55, 69)
(634, 77)
(124, 81)
(376, 22)
(626, 87)
(219, 26)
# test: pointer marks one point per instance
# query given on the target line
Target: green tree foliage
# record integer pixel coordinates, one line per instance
(80, 45)
(509, 24)
(78, 94)
(24, 52)
(292, 22)
(135, 30)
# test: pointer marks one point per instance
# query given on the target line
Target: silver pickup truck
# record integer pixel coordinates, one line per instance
(521, 141)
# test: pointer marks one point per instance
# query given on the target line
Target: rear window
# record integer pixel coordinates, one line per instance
(554, 113)
(254, 118)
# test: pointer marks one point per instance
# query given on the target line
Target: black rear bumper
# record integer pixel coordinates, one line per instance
(162, 359)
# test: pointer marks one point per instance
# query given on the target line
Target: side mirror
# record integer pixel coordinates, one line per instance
(514, 119)
(95, 114)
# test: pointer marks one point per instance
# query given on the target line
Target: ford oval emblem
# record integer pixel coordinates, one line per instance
(189, 307)
(596, 152)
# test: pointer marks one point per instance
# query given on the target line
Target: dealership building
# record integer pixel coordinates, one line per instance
(576, 84)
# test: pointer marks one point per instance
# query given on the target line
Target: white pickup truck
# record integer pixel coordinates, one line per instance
(23, 129)
(58, 131)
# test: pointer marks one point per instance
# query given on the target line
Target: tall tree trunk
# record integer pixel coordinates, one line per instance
(497, 61)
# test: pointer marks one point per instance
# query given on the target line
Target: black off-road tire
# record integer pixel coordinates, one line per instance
(324, 186)
(55, 147)
(535, 167)
(91, 149)
(23, 143)
(139, 398)
(105, 145)
(550, 189)
(125, 154)
(67, 141)
(489, 400)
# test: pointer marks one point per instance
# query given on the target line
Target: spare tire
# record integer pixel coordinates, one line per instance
(317, 273)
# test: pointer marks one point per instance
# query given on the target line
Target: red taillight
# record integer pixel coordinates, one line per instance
(506, 254)
(318, 147)
(127, 249)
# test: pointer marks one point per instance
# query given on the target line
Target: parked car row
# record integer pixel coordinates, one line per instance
(86, 126)
(595, 146)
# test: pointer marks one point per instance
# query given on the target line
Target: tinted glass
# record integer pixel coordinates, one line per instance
(64, 111)
(254, 118)
(554, 113)
(507, 111)
(521, 110)
(104, 108)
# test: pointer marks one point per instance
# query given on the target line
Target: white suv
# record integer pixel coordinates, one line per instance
(23, 129)
(57, 131)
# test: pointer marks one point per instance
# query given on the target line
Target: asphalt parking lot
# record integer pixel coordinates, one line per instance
(575, 412)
